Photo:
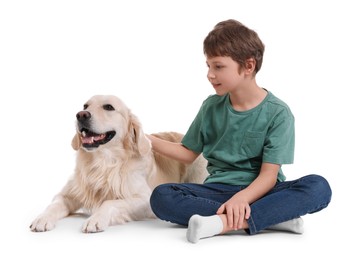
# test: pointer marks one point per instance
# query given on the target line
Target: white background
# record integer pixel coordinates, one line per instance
(54, 55)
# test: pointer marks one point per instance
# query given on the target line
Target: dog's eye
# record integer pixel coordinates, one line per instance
(108, 107)
(85, 106)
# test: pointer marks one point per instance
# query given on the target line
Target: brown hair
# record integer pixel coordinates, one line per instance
(231, 38)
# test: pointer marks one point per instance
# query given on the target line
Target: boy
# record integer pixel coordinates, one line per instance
(246, 134)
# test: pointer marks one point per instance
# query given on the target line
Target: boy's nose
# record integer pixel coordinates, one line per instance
(210, 75)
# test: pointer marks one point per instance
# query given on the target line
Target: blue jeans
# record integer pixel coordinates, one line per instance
(177, 202)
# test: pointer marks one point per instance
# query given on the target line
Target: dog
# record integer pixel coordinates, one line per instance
(116, 169)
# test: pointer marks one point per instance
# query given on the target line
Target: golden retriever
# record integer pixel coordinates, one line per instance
(116, 169)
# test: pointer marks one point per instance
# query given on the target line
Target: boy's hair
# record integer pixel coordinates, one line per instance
(231, 38)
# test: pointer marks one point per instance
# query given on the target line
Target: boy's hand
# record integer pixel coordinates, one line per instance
(236, 210)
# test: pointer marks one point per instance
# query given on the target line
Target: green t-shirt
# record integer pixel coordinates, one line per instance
(235, 143)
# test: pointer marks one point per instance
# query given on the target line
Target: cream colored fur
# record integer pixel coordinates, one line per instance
(113, 182)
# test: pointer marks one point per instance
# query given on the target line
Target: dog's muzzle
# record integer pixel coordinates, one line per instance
(89, 138)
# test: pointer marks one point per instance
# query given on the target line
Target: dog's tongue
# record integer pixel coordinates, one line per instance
(92, 139)
(88, 140)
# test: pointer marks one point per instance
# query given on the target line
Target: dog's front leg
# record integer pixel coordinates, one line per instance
(58, 209)
(114, 212)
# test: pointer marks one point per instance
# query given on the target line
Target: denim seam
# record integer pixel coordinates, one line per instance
(251, 224)
(202, 199)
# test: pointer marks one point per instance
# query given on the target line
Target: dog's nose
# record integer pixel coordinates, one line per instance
(83, 116)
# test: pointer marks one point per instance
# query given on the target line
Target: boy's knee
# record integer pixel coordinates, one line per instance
(158, 199)
(155, 197)
(320, 188)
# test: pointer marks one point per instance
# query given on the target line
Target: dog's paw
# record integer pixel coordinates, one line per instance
(42, 224)
(95, 224)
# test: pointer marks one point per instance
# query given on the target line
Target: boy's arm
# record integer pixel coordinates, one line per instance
(172, 150)
(263, 183)
(237, 207)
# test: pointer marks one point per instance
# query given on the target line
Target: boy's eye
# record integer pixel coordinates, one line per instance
(215, 66)
(218, 67)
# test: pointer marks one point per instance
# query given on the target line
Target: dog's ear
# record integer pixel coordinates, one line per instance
(76, 142)
(139, 139)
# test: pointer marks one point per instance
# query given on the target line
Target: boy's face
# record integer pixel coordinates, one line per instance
(224, 74)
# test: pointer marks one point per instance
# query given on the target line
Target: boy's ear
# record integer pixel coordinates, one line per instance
(250, 64)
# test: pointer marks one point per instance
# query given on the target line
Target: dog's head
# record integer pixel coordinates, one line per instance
(106, 121)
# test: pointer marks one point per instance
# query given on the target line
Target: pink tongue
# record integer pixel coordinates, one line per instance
(87, 140)
(92, 139)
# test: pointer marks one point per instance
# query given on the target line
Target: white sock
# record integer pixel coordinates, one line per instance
(201, 227)
(293, 225)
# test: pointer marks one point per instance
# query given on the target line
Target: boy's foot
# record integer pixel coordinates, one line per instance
(293, 225)
(202, 227)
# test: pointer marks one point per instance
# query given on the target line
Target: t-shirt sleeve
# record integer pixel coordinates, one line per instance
(280, 139)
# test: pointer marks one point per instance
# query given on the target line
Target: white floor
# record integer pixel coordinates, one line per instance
(327, 234)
